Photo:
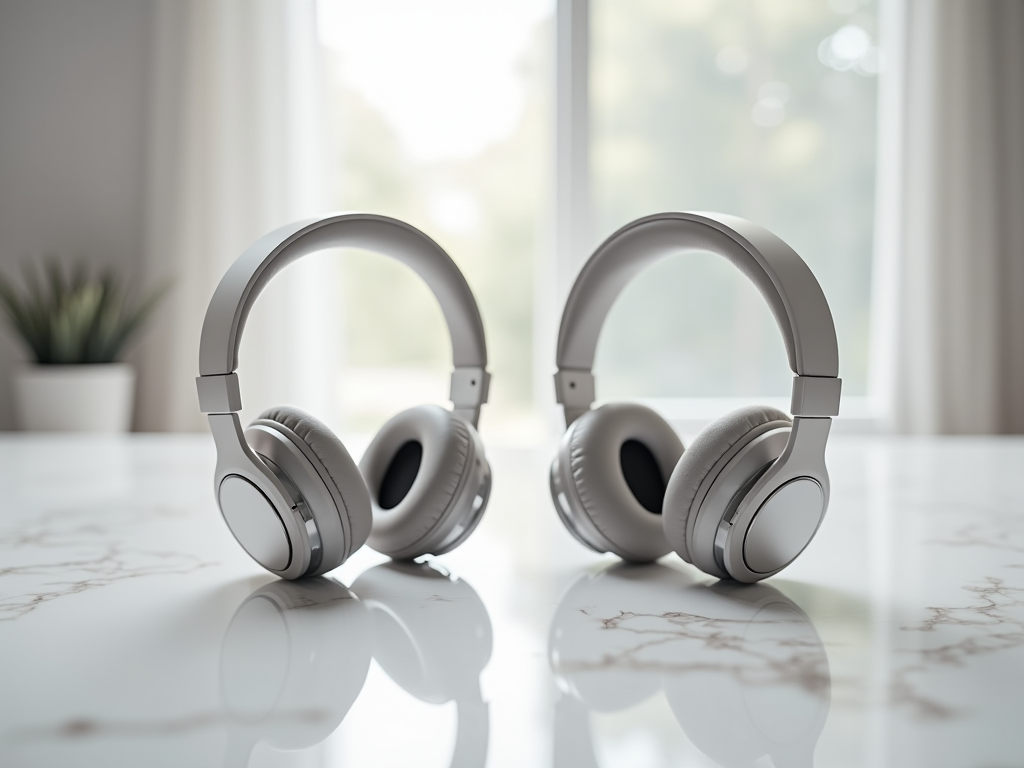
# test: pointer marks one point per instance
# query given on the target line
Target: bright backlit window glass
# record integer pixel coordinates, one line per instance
(761, 109)
(441, 116)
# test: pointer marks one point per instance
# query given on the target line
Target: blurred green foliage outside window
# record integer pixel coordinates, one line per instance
(441, 112)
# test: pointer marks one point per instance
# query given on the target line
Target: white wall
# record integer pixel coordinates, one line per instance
(73, 111)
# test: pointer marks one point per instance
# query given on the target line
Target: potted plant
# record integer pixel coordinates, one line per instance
(75, 326)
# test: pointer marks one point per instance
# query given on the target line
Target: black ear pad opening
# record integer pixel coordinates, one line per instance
(643, 476)
(400, 475)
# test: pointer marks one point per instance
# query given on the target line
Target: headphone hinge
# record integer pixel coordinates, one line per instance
(574, 388)
(219, 393)
(470, 387)
(815, 396)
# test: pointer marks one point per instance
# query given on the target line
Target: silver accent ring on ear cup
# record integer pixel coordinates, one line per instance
(236, 459)
(803, 459)
(327, 532)
(468, 502)
(786, 523)
(316, 551)
(469, 513)
(719, 503)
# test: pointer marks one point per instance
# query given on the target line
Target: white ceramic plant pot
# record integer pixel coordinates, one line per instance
(74, 398)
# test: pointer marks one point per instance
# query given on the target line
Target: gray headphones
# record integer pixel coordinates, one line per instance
(750, 492)
(287, 488)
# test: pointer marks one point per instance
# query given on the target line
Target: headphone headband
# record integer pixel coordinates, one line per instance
(248, 276)
(781, 276)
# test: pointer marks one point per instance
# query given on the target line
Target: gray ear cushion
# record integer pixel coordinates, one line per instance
(447, 450)
(341, 468)
(714, 442)
(594, 459)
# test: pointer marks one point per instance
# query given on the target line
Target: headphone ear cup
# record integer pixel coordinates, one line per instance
(722, 437)
(608, 479)
(429, 481)
(340, 477)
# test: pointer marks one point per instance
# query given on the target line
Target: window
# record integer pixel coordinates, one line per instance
(443, 115)
(763, 110)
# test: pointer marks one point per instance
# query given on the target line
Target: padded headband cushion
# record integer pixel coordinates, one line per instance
(252, 271)
(342, 470)
(444, 452)
(780, 275)
(714, 442)
(596, 460)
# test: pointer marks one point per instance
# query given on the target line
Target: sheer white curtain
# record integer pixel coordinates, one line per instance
(235, 151)
(949, 336)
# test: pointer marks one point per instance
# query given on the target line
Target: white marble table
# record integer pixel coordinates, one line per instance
(133, 631)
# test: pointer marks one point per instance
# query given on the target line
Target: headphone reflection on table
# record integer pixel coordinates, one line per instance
(742, 668)
(746, 498)
(287, 488)
(295, 656)
(433, 637)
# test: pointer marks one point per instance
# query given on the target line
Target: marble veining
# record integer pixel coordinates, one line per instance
(67, 552)
(85, 728)
(133, 630)
(701, 645)
(62, 578)
(1004, 536)
(993, 623)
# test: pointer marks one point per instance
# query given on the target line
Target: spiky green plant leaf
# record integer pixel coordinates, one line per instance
(68, 318)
